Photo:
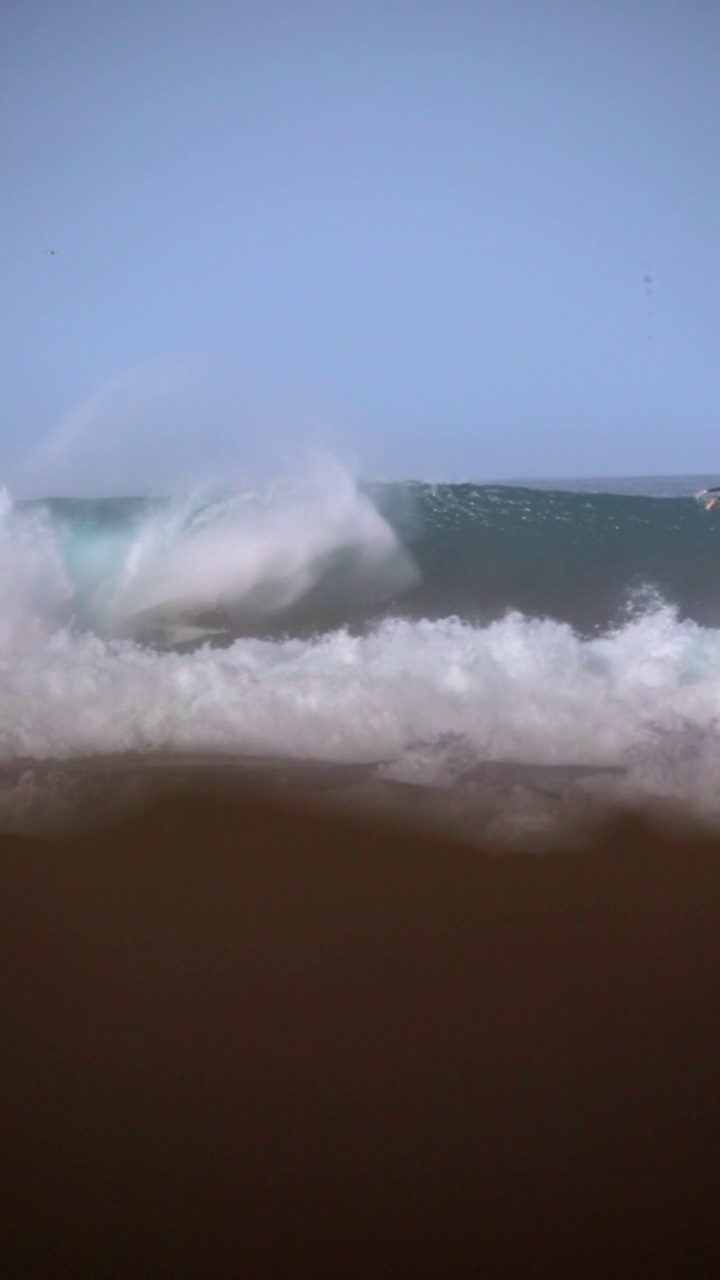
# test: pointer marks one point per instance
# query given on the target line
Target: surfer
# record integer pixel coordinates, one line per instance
(712, 502)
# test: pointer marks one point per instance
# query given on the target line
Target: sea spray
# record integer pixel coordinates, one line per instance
(37, 589)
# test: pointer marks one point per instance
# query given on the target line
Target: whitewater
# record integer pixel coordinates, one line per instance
(422, 630)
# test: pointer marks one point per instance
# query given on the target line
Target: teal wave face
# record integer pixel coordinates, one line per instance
(585, 559)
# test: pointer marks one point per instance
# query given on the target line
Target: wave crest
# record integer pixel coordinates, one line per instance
(242, 557)
(183, 569)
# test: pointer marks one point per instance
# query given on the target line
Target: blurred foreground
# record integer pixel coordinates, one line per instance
(246, 1035)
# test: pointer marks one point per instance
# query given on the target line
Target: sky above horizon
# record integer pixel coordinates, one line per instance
(436, 240)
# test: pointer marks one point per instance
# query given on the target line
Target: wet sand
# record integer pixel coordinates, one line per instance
(512, 804)
(245, 1034)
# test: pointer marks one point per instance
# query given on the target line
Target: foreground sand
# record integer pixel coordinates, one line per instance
(506, 802)
(247, 1037)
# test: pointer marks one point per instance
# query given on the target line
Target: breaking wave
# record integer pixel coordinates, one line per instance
(224, 623)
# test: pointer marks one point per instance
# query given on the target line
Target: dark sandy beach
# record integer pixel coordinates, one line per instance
(246, 1035)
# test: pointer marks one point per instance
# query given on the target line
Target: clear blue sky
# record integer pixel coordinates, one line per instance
(416, 233)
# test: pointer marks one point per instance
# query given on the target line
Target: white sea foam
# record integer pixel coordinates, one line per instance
(647, 697)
